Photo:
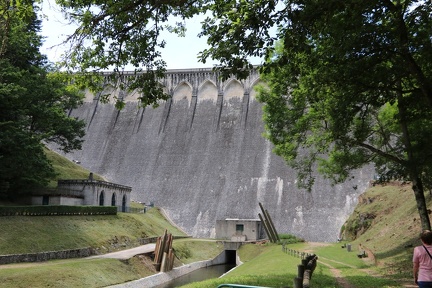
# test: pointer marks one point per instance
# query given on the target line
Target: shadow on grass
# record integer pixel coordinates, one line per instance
(368, 281)
(271, 280)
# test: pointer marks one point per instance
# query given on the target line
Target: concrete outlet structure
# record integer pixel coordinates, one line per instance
(239, 230)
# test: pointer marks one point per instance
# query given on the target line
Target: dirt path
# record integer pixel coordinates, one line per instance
(128, 253)
(342, 282)
(337, 273)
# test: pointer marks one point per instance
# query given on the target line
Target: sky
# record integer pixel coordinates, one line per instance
(179, 52)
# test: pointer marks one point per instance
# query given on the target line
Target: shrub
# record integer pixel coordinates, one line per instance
(289, 239)
(52, 210)
(183, 252)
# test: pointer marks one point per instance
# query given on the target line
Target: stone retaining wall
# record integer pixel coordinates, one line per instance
(45, 256)
(63, 254)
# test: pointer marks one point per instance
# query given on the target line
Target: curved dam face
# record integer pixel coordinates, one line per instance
(201, 157)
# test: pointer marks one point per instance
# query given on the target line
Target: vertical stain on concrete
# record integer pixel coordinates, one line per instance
(279, 190)
(219, 105)
(165, 116)
(192, 110)
(141, 116)
(96, 101)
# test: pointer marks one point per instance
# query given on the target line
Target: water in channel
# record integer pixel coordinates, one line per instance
(198, 275)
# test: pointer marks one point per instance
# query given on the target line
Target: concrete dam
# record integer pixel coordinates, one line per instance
(201, 157)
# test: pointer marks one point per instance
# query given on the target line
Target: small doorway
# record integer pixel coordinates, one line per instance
(124, 203)
(45, 200)
(101, 198)
(113, 200)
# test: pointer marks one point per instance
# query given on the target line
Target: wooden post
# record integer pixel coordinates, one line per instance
(164, 256)
(306, 279)
(266, 228)
(272, 227)
(298, 282)
(300, 271)
(304, 262)
(164, 262)
(271, 230)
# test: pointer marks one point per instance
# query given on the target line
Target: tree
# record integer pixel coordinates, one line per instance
(33, 102)
(350, 83)
(112, 34)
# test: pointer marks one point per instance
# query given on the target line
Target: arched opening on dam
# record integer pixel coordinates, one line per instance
(124, 203)
(101, 198)
(113, 200)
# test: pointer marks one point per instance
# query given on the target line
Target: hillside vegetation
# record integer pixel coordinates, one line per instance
(66, 169)
(29, 234)
(386, 223)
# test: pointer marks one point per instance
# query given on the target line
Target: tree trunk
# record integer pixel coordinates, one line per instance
(417, 187)
(417, 184)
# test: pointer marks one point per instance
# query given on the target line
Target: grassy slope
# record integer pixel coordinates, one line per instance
(23, 234)
(395, 229)
(107, 233)
(67, 169)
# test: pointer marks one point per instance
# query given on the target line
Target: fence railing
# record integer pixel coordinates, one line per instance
(305, 269)
(295, 253)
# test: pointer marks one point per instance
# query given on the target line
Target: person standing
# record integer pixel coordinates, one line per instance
(422, 261)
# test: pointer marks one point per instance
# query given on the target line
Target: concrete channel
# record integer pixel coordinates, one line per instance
(226, 256)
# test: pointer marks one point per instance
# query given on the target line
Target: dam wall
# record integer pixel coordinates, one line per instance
(201, 157)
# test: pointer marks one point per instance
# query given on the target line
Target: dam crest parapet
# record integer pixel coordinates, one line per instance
(202, 83)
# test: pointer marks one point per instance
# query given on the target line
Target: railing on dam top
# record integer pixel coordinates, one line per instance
(93, 182)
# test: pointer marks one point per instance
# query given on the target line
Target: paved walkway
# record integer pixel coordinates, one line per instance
(126, 254)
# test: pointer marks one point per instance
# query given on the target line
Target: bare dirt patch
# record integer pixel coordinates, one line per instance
(311, 245)
(342, 282)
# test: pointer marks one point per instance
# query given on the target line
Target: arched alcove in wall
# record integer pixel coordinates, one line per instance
(253, 93)
(233, 89)
(124, 203)
(182, 92)
(101, 198)
(113, 199)
(207, 91)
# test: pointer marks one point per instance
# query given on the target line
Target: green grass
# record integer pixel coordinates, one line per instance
(339, 257)
(268, 266)
(26, 234)
(71, 273)
(93, 272)
(193, 250)
(67, 169)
